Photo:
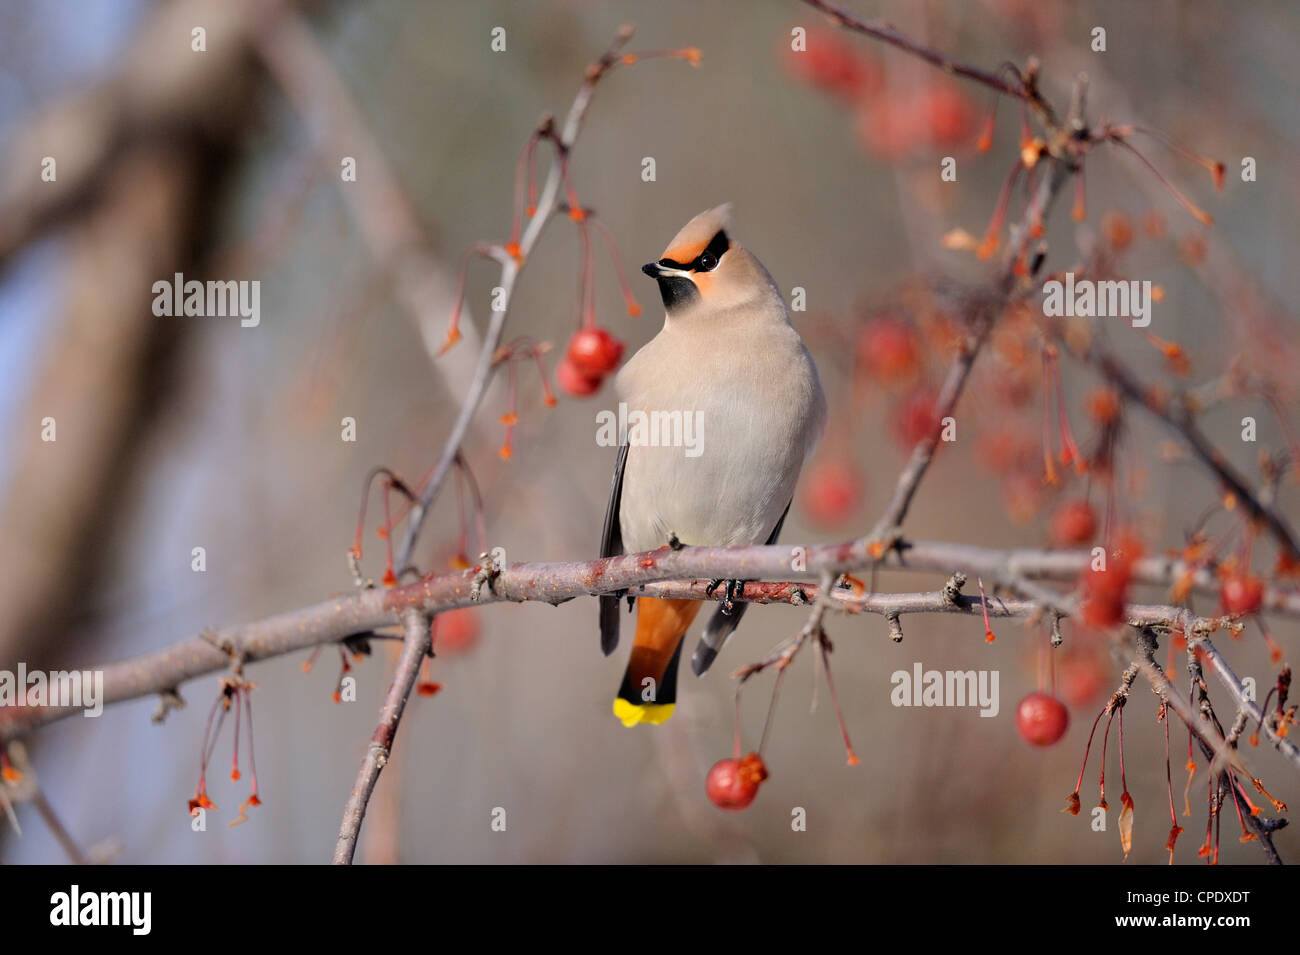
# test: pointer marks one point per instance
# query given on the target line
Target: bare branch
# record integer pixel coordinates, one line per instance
(415, 647)
(888, 33)
(1176, 415)
(1241, 699)
(1213, 745)
(888, 527)
(660, 573)
(510, 268)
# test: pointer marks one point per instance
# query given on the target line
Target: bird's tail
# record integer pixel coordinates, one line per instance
(649, 688)
(721, 626)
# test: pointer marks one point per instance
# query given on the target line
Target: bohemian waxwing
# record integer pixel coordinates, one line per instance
(728, 358)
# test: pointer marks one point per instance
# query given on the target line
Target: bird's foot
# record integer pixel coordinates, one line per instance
(733, 591)
(674, 543)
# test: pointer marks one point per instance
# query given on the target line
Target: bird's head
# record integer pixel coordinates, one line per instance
(704, 266)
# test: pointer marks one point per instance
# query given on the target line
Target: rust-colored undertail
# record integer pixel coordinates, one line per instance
(649, 688)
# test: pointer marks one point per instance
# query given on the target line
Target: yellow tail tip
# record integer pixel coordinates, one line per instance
(634, 713)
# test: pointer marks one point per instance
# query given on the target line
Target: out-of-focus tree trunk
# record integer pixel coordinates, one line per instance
(138, 164)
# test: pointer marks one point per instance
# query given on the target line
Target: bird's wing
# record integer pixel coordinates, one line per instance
(611, 544)
(722, 625)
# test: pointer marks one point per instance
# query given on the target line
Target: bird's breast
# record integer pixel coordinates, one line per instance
(718, 430)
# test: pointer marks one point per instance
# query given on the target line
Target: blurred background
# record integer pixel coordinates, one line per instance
(175, 433)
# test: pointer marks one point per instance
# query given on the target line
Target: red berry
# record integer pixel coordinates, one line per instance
(1106, 591)
(1073, 523)
(1042, 719)
(949, 116)
(594, 352)
(835, 66)
(733, 783)
(1103, 603)
(456, 631)
(1241, 594)
(889, 350)
(832, 492)
(574, 382)
(915, 418)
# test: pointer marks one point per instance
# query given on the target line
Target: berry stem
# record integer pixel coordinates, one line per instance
(629, 300)
(984, 605)
(771, 710)
(835, 701)
(736, 723)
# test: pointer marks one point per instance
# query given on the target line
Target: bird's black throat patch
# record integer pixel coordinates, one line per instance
(677, 292)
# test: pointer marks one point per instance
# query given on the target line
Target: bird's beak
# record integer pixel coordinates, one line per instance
(676, 286)
(657, 271)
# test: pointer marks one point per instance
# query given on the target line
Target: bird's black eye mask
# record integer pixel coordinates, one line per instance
(707, 260)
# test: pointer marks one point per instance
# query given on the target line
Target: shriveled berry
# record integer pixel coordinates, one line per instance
(733, 783)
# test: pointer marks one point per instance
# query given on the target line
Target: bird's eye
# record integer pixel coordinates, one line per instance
(708, 261)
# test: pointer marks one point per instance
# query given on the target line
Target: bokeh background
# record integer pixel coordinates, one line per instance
(183, 432)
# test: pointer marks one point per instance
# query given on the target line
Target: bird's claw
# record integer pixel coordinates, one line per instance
(733, 591)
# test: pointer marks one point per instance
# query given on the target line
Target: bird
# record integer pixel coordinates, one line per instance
(730, 361)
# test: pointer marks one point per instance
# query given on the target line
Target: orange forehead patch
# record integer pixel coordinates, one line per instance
(694, 237)
(686, 251)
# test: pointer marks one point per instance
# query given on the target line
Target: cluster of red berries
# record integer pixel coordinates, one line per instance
(891, 353)
(891, 123)
(593, 353)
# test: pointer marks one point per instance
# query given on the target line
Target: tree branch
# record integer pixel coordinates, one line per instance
(889, 526)
(888, 33)
(1240, 698)
(510, 269)
(1177, 416)
(1213, 746)
(415, 646)
(660, 573)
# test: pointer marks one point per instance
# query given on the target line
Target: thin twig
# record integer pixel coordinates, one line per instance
(1215, 748)
(1178, 417)
(60, 831)
(510, 269)
(415, 647)
(888, 33)
(1241, 698)
(888, 527)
